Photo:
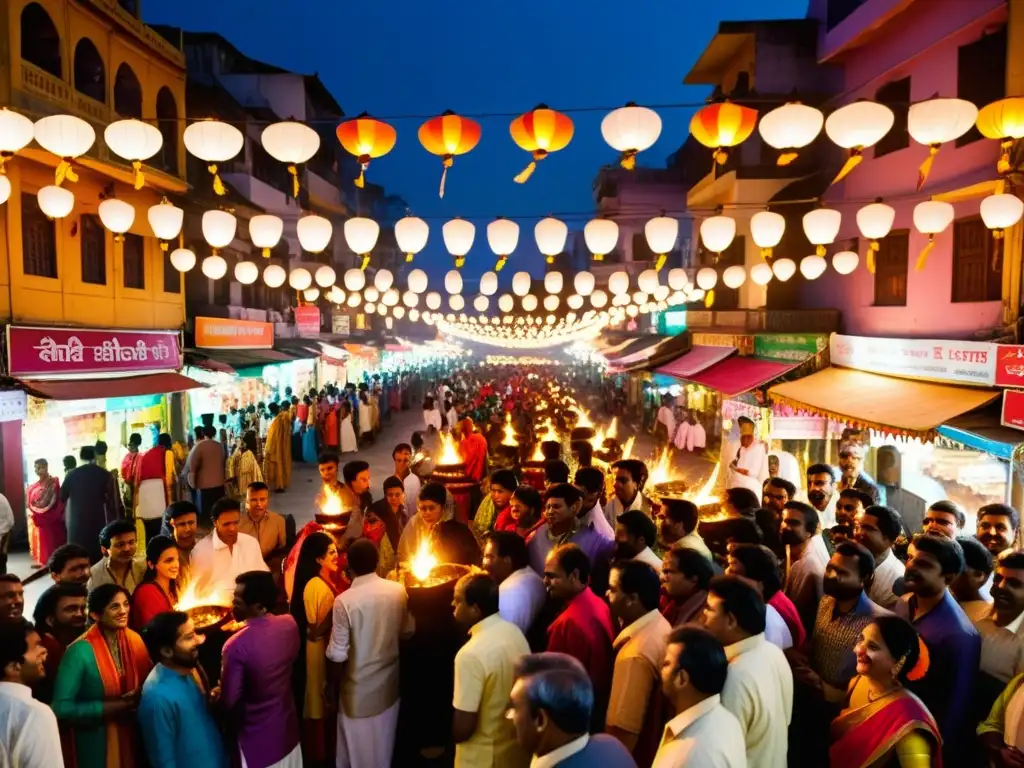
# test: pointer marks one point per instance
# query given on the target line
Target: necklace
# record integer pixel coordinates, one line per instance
(873, 697)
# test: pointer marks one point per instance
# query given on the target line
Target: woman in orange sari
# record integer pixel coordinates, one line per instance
(884, 725)
(98, 685)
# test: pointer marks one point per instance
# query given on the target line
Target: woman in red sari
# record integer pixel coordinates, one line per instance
(46, 529)
(473, 450)
(158, 591)
(884, 725)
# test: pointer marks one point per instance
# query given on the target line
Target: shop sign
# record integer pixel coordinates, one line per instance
(672, 322)
(1013, 409)
(1009, 365)
(84, 351)
(133, 402)
(341, 324)
(307, 320)
(741, 341)
(220, 333)
(13, 405)
(959, 362)
(789, 346)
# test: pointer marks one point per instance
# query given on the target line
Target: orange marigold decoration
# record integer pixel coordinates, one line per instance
(366, 138)
(723, 125)
(446, 136)
(540, 131)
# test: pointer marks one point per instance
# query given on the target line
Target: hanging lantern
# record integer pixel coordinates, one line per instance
(311, 294)
(630, 130)
(325, 276)
(575, 301)
(813, 267)
(16, 132)
(433, 301)
(213, 142)
(707, 278)
(449, 135)
(875, 222)
(584, 283)
(182, 259)
(417, 281)
(935, 122)
(791, 127)
(219, 229)
(661, 233)
(677, 279)
(117, 216)
(292, 143)
(930, 218)
(336, 295)
(411, 234)
(554, 282)
(366, 138)
(550, 234)
(601, 237)
(488, 283)
(1000, 212)
(734, 276)
(723, 125)
(314, 232)
(761, 274)
(246, 272)
(214, 267)
(855, 127)
(1003, 121)
(265, 231)
(618, 283)
(503, 237)
(410, 299)
(821, 227)
(783, 269)
(383, 280)
(506, 303)
(717, 233)
(56, 202)
(598, 299)
(521, 282)
(540, 132)
(355, 280)
(457, 302)
(371, 293)
(165, 219)
(67, 137)
(5, 187)
(551, 303)
(414, 315)
(354, 299)
(530, 302)
(453, 282)
(767, 229)
(361, 235)
(391, 297)
(134, 141)
(480, 303)
(845, 262)
(647, 282)
(458, 237)
(300, 279)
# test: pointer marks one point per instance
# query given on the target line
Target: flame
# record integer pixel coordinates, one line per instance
(509, 437)
(583, 418)
(706, 493)
(332, 502)
(538, 454)
(193, 598)
(597, 440)
(612, 432)
(662, 471)
(423, 562)
(627, 449)
(449, 451)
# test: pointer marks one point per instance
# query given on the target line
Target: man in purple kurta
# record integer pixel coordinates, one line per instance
(257, 676)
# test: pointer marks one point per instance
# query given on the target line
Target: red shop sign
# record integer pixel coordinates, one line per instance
(1009, 365)
(307, 320)
(84, 351)
(1013, 409)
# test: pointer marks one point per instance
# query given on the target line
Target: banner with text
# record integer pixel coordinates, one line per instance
(1013, 409)
(86, 351)
(307, 320)
(955, 362)
(221, 333)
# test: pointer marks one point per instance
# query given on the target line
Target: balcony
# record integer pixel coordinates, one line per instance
(765, 320)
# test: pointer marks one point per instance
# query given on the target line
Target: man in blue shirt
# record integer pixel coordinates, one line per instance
(953, 643)
(177, 728)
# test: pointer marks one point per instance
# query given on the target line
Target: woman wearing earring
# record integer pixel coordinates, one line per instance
(883, 724)
(159, 589)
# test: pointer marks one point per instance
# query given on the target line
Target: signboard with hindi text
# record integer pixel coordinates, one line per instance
(49, 352)
(941, 360)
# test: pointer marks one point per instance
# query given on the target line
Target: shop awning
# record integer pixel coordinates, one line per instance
(696, 360)
(983, 432)
(737, 375)
(630, 348)
(895, 406)
(94, 389)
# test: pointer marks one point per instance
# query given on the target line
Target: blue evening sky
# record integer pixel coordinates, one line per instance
(409, 57)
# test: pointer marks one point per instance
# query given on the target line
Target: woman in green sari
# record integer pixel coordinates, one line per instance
(98, 684)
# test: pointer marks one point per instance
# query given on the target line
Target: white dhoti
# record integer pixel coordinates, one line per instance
(367, 742)
(152, 499)
(292, 760)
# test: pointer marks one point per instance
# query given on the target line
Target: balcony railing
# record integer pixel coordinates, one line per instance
(767, 320)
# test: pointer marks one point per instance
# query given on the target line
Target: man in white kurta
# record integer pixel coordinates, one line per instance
(221, 557)
(749, 466)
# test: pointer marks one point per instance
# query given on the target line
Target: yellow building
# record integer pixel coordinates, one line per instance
(94, 59)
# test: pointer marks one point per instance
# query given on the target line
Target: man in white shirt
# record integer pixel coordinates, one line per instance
(369, 619)
(759, 567)
(402, 455)
(749, 465)
(590, 482)
(221, 557)
(878, 528)
(29, 737)
(630, 478)
(677, 527)
(822, 493)
(704, 733)
(759, 687)
(521, 593)
(635, 532)
(807, 557)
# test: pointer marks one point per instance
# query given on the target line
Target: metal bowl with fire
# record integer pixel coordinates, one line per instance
(208, 611)
(330, 513)
(664, 482)
(450, 471)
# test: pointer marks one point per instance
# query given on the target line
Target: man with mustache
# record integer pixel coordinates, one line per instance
(821, 493)
(59, 615)
(998, 526)
(944, 518)
(749, 466)
(978, 568)
(851, 462)
(1002, 631)
(807, 557)
(562, 503)
(953, 643)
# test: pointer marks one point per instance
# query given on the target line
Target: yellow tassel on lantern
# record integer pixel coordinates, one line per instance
(721, 155)
(164, 245)
(923, 257)
(501, 263)
(1003, 166)
(295, 181)
(408, 257)
(64, 172)
(361, 178)
(628, 159)
(366, 262)
(527, 172)
(872, 250)
(766, 253)
(786, 158)
(821, 251)
(266, 253)
(550, 259)
(446, 161)
(852, 162)
(140, 180)
(662, 257)
(709, 298)
(598, 257)
(218, 185)
(926, 166)
(459, 261)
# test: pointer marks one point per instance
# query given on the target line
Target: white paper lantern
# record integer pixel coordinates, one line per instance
(821, 227)
(335, 295)
(936, 121)
(134, 141)
(530, 302)
(355, 279)
(398, 312)
(391, 297)
(311, 294)
(718, 232)
(453, 282)
(456, 302)
(411, 234)
(551, 302)
(488, 283)
(760, 274)
(661, 233)
(875, 220)
(214, 267)
(382, 311)
(521, 282)
(325, 276)
(410, 299)
(661, 292)
(506, 303)
(480, 303)
(16, 131)
(354, 300)
(707, 278)
(370, 308)
(5, 189)
(165, 219)
(182, 259)
(784, 269)
(845, 262)
(584, 283)
(677, 279)
(933, 216)
(1000, 212)
(219, 228)
(790, 127)
(618, 282)
(458, 237)
(554, 282)
(414, 315)
(813, 267)
(631, 129)
(265, 231)
(601, 237)
(383, 280)
(766, 229)
(647, 281)
(622, 299)
(696, 295)
(434, 301)
(116, 215)
(417, 281)
(314, 233)
(371, 294)
(502, 236)
(246, 272)
(860, 124)
(300, 279)
(550, 234)
(575, 301)
(65, 136)
(55, 202)
(290, 142)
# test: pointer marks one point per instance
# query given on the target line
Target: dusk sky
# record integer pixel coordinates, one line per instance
(408, 57)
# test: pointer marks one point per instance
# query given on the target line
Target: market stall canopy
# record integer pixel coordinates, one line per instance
(983, 432)
(699, 358)
(620, 353)
(649, 358)
(126, 386)
(737, 375)
(895, 406)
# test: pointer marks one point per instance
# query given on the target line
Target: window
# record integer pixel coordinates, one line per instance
(896, 95)
(134, 250)
(977, 262)
(167, 122)
(981, 75)
(891, 264)
(127, 93)
(40, 43)
(94, 250)
(90, 74)
(38, 240)
(172, 277)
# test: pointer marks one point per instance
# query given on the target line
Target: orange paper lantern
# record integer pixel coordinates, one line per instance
(366, 138)
(719, 126)
(1003, 121)
(446, 136)
(540, 131)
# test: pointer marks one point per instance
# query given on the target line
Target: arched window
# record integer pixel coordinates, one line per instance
(90, 75)
(127, 93)
(40, 43)
(167, 122)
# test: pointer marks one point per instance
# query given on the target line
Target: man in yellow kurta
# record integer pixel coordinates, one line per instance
(277, 453)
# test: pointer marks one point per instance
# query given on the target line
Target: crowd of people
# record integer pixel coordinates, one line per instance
(578, 617)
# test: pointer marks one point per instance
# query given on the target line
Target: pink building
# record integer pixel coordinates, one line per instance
(900, 52)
